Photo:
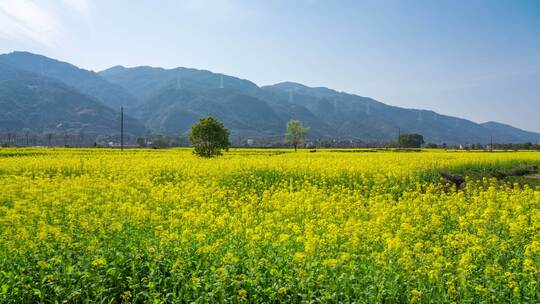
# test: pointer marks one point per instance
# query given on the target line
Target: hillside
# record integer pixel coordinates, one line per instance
(175, 98)
(354, 116)
(506, 132)
(42, 104)
(87, 82)
(169, 101)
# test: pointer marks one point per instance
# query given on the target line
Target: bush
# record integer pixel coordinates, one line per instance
(209, 137)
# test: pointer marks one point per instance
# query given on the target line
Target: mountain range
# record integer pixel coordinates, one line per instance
(44, 94)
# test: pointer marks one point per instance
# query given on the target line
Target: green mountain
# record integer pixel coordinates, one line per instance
(86, 82)
(42, 104)
(176, 98)
(507, 133)
(146, 81)
(363, 118)
(41, 93)
(172, 99)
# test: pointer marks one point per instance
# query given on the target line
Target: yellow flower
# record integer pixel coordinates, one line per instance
(230, 258)
(330, 262)
(416, 295)
(99, 262)
(267, 217)
(43, 265)
(126, 295)
(344, 257)
(299, 257)
(480, 288)
(242, 294)
(283, 237)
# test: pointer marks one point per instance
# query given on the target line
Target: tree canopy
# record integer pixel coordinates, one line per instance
(411, 140)
(209, 137)
(295, 133)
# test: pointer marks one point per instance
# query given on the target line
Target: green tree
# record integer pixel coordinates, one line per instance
(410, 140)
(295, 133)
(159, 141)
(141, 141)
(325, 143)
(209, 137)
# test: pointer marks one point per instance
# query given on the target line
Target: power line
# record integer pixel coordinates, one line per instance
(291, 95)
(398, 136)
(121, 128)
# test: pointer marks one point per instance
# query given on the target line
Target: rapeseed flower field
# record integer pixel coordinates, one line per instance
(162, 226)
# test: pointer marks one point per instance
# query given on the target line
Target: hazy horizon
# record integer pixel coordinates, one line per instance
(477, 60)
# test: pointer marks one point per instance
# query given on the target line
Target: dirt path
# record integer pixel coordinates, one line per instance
(533, 176)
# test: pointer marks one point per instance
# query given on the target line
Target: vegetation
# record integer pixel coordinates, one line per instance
(296, 133)
(209, 137)
(163, 226)
(410, 140)
(44, 94)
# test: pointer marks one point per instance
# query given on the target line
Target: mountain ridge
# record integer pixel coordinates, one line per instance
(41, 104)
(88, 82)
(170, 100)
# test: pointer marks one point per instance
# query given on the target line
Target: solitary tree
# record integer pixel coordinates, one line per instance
(410, 140)
(209, 137)
(295, 133)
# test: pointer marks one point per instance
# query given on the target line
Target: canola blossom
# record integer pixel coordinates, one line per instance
(163, 226)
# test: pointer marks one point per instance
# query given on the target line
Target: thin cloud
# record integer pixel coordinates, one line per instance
(36, 22)
(25, 21)
(82, 7)
(212, 9)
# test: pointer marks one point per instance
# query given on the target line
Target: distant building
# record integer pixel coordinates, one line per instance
(116, 145)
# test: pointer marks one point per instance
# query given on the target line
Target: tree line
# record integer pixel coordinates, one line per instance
(209, 137)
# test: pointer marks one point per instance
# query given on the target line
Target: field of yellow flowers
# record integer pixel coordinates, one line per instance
(162, 226)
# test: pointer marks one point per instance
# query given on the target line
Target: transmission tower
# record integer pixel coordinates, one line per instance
(291, 95)
(179, 80)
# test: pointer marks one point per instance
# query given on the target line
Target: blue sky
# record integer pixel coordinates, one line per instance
(474, 59)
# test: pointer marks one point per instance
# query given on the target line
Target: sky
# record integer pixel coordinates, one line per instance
(474, 59)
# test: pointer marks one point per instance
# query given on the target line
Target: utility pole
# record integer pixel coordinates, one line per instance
(491, 145)
(121, 128)
(398, 136)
